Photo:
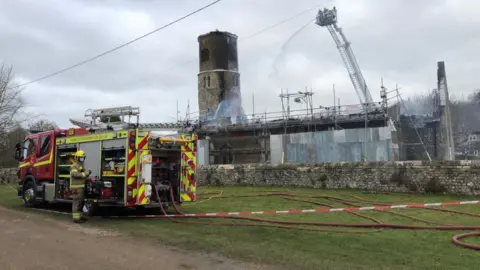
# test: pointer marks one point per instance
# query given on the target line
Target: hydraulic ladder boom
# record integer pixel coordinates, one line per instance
(328, 18)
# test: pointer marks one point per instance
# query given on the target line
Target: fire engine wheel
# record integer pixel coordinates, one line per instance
(28, 196)
(89, 208)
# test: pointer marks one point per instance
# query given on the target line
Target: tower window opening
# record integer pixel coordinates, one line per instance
(204, 82)
(204, 55)
(208, 81)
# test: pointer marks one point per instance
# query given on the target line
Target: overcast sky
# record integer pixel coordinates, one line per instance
(400, 41)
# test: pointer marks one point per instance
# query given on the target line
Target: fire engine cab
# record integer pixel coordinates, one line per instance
(130, 167)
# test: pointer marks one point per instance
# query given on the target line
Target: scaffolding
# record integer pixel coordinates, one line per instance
(249, 142)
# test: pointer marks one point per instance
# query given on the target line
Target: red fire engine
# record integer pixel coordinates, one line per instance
(129, 167)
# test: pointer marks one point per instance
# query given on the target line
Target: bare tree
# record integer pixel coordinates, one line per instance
(420, 104)
(10, 103)
(17, 134)
(465, 112)
(42, 125)
(475, 97)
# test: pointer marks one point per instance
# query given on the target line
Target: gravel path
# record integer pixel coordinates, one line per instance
(34, 241)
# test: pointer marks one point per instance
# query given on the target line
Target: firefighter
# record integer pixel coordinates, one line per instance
(77, 185)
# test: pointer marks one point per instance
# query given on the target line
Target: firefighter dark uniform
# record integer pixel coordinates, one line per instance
(77, 185)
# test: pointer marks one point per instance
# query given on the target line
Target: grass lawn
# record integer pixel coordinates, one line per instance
(388, 249)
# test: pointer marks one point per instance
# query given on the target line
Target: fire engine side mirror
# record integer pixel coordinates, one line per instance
(18, 152)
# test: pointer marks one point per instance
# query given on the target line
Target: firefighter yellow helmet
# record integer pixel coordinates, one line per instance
(80, 155)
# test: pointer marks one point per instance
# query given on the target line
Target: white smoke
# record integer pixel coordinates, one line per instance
(230, 109)
(419, 105)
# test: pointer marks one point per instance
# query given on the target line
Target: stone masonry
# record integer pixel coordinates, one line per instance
(450, 177)
(218, 75)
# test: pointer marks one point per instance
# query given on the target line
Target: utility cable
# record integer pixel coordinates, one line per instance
(281, 22)
(118, 47)
(240, 39)
(177, 65)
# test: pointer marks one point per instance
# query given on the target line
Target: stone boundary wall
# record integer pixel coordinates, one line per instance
(8, 175)
(450, 177)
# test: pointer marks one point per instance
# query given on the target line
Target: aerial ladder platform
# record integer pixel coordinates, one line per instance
(328, 18)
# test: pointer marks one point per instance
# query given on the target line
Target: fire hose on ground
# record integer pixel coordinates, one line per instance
(268, 224)
(261, 222)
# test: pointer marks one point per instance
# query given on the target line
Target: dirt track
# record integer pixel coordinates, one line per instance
(32, 241)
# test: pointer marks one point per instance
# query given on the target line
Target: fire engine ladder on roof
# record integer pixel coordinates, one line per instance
(328, 19)
(96, 115)
(121, 112)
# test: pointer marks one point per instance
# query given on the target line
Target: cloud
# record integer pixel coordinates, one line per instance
(400, 41)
